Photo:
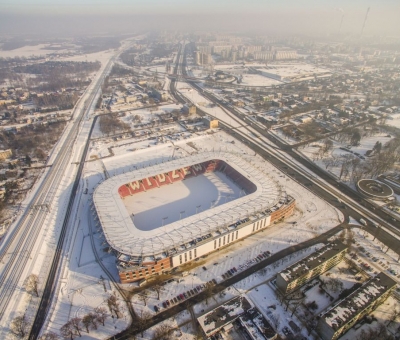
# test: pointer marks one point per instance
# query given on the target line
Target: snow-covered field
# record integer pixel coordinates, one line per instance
(206, 190)
(394, 120)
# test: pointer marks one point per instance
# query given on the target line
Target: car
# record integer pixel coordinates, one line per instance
(167, 302)
(179, 297)
(214, 281)
(164, 304)
(182, 296)
(198, 288)
(175, 300)
(234, 268)
(192, 291)
(156, 309)
(204, 268)
(224, 276)
(185, 295)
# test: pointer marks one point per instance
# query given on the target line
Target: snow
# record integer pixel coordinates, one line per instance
(210, 189)
(122, 234)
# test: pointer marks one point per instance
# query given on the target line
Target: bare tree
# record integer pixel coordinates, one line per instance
(76, 324)
(209, 292)
(49, 336)
(19, 326)
(90, 319)
(68, 331)
(393, 316)
(113, 305)
(31, 284)
(157, 288)
(144, 297)
(142, 322)
(101, 314)
(162, 332)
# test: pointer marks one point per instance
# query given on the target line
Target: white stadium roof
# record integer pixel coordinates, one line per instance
(126, 238)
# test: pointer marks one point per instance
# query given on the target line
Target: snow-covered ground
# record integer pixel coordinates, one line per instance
(35, 50)
(393, 120)
(204, 104)
(313, 216)
(311, 151)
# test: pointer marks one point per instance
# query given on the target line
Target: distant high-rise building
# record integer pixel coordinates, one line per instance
(202, 58)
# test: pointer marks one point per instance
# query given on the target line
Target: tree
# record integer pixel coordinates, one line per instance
(31, 284)
(157, 288)
(162, 332)
(90, 320)
(68, 331)
(101, 314)
(326, 146)
(113, 305)
(144, 297)
(209, 292)
(76, 324)
(143, 321)
(49, 336)
(28, 160)
(355, 137)
(19, 326)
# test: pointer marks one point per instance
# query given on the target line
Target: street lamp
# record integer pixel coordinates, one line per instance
(163, 219)
(181, 213)
(197, 208)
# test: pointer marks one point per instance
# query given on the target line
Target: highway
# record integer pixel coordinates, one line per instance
(20, 247)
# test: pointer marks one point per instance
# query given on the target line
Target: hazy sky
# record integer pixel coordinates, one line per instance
(287, 16)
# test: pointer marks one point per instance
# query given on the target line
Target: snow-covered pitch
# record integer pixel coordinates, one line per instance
(126, 238)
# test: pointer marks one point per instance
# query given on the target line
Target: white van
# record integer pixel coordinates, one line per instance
(363, 222)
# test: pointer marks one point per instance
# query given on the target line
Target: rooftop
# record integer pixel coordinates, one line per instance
(357, 301)
(312, 261)
(122, 234)
(214, 320)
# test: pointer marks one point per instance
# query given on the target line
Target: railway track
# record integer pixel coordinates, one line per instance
(19, 245)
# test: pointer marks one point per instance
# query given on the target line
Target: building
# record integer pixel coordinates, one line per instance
(220, 317)
(313, 265)
(143, 253)
(341, 317)
(202, 58)
(189, 110)
(256, 326)
(371, 188)
(161, 96)
(210, 123)
(4, 154)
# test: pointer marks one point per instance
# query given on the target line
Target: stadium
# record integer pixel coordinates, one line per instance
(165, 215)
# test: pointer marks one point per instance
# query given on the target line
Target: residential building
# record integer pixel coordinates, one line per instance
(341, 317)
(313, 265)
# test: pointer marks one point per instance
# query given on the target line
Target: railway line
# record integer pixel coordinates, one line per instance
(20, 243)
